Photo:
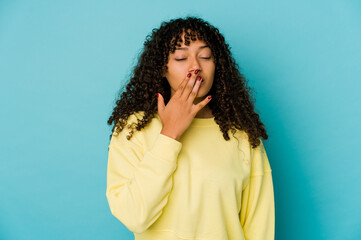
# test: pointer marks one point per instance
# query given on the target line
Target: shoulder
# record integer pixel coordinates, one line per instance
(131, 119)
(130, 123)
(259, 159)
(150, 130)
(134, 117)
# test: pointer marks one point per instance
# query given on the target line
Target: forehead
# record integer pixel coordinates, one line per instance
(194, 44)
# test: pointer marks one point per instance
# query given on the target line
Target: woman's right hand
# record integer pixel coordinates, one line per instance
(180, 110)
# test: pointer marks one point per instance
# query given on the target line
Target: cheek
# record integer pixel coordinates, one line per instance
(174, 79)
(212, 71)
(175, 75)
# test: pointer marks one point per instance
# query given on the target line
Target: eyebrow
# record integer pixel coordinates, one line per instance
(185, 48)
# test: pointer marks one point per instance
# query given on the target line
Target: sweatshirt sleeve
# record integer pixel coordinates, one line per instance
(139, 181)
(257, 215)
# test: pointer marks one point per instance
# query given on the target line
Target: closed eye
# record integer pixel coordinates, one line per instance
(185, 59)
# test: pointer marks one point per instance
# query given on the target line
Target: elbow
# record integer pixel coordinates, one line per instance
(131, 219)
(133, 224)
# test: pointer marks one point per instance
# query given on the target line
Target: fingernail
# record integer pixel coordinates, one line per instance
(199, 78)
(157, 95)
(196, 71)
(189, 75)
(210, 97)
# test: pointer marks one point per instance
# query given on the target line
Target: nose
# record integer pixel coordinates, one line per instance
(194, 65)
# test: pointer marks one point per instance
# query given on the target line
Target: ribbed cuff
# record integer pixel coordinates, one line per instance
(166, 148)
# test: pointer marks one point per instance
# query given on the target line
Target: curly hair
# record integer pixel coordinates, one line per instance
(232, 102)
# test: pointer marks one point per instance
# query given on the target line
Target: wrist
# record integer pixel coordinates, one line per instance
(169, 134)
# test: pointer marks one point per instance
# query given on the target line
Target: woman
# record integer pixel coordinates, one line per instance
(178, 174)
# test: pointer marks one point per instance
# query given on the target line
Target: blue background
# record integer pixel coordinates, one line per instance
(63, 62)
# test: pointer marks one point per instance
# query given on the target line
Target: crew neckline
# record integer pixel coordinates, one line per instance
(203, 122)
(199, 122)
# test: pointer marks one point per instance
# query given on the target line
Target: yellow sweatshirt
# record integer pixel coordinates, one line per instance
(201, 187)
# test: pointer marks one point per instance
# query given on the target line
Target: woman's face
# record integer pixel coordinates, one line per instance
(186, 59)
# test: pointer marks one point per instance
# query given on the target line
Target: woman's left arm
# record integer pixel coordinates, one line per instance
(257, 215)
